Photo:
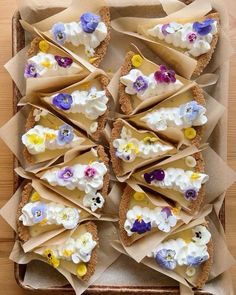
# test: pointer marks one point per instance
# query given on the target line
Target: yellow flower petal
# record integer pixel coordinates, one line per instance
(50, 136)
(148, 139)
(190, 133)
(67, 252)
(195, 176)
(51, 258)
(35, 139)
(93, 59)
(46, 63)
(35, 197)
(44, 46)
(43, 222)
(138, 196)
(136, 60)
(81, 269)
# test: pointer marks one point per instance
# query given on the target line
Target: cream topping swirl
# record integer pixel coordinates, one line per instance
(181, 180)
(53, 213)
(39, 139)
(129, 148)
(87, 178)
(180, 117)
(182, 35)
(153, 88)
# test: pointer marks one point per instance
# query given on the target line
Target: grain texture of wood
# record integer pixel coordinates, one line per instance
(7, 281)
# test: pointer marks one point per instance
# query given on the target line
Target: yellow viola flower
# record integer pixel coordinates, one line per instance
(195, 176)
(35, 139)
(44, 46)
(136, 60)
(51, 258)
(190, 133)
(139, 196)
(46, 63)
(131, 146)
(149, 140)
(81, 269)
(35, 197)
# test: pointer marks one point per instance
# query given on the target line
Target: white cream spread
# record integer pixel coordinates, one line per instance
(92, 103)
(181, 117)
(181, 252)
(181, 180)
(39, 139)
(153, 87)
(49, 213)
(45, 65)
(184, 36)
(129, 148)
(87, 178)
(157, 217)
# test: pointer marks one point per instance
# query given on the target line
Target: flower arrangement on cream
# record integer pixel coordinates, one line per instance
(143, 219)
(91, 103)
(49, 213)
(39, 139)
(152, 85)
(186, 182)
(182, 117)
(186, 253)
(194, 37)
(128, 147)
(89, 31)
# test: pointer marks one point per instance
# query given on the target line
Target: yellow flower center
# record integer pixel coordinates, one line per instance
(190, 133)
(139, 196)
(149, 140)
(81, 269)
(64, 216)
(46, 63)
(43, 222)
(44, 46)
(136, 60)
(195, 176)
(130, 146)
(139, 218)
(35, 139)
(67, 252)
(50, 136)
(35, 197)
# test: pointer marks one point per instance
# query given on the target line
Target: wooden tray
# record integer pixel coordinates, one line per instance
(18, 42)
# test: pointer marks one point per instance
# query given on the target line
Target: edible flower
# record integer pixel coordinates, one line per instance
(164, 75)
(190, 110)
(192, 37)
(65, 134)
(201, 235)
(196, 260)
(140, 226)
(138, 196)
(89, 22)
(64, 62)
(136, 60)
(58, 32)
(203, 28)
(190, 194)
(190, 133)
(31, 71)
(149, 140)
(157, 174)
(38, 212)
(140, 84)
(66, 173)
(51, 258)
(166, 258)
(62, 101)
(35, 197)
(166, 220)
(93, 200)
(44, 46)
(81, 269)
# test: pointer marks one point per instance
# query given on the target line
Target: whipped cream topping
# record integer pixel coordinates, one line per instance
(181, 117)
(92, 103)
(87, 178)
(75, 35)
(175, 252)
(129, 148)
(153, 88)
(46, 65)
(181, 180)
(161, 218)
(39, 139)
(49, 213)
(185, 37)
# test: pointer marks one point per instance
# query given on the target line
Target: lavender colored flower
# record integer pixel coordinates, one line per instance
(38, 212)
(65, 134)
(90, 172)
(167, 211)
(190, 110)
(89, 22)
(141, 227)
(62, 101)
(30, 71)
(64, 62)
(58, 31)
(166, 258)
(140, 84)
(204, 27)
(190, 194)
(164, 75)
(196, 260)
(163, 29)
(66, 173)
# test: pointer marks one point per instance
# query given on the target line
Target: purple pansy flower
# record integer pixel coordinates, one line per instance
(38, 212)
(166, 258)
(30, 71)
(204, 27)
(140, 84)
(141, 227)
(190, 110)
(66, 173)
(89, 22)
(163, 29)
(164, 75)
(190, 194)
(192, 37)
(65, 134)
(58, 31)
(194, 261)
(64, 62)
(167, 211)
(157, 174)
(62, 101)
(90, 172)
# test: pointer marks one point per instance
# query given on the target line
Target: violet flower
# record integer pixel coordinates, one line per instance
(190, 110)
(190, 194)
(141, 227)
(194, 261)
(62, 101)
(66, 173)
(89, 22)
(164, 75)
(30, 71)
(58, 31)
(64, 62)
(90, 172)
(204, 27)
(140, 84)
(39, 212)
(163, 29)
(157, 174)
(65, 134)
(166, 258)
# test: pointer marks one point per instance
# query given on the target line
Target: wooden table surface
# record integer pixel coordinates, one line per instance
(8, 285)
